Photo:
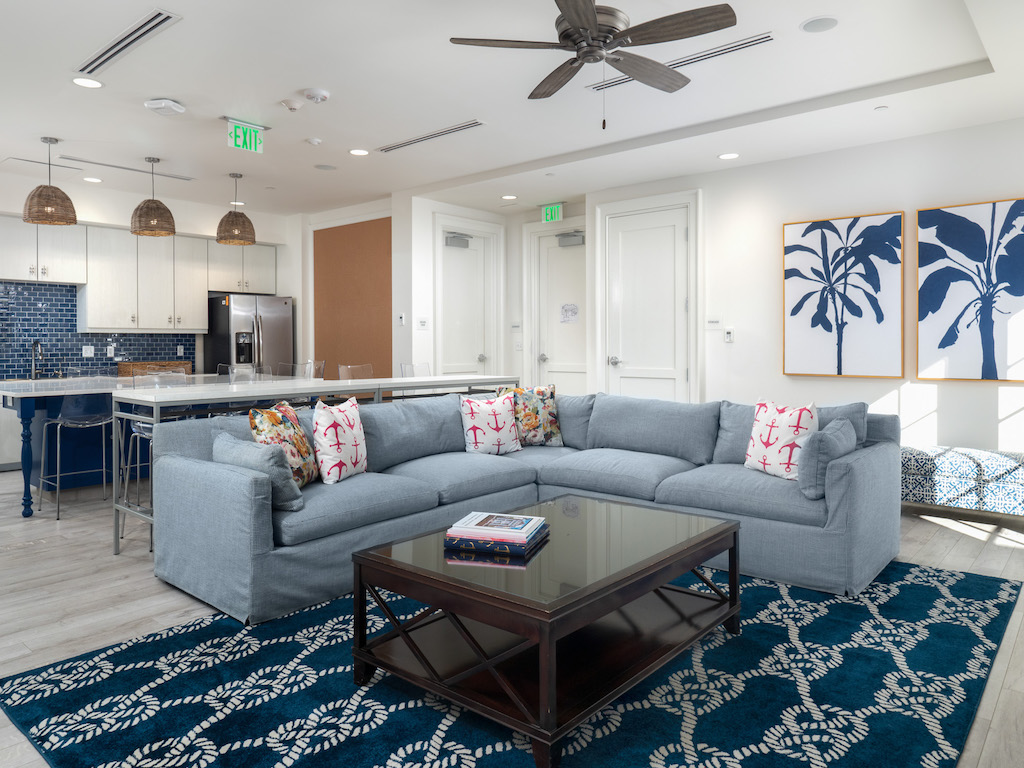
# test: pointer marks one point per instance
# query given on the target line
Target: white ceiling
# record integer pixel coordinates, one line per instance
(393, 75)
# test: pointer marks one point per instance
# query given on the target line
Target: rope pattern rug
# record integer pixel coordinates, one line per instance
(891, 677)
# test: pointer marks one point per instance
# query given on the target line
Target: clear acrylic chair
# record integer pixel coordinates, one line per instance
(77, 411)
(349, 372)
(245, 372)
(311, 369)
(415, 369)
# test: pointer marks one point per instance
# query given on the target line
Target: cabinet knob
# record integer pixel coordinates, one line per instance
(133, 318)
(170, 320)
(239, 283)
(246, 285)
(42, 271)
(179, 319)
(32, 269)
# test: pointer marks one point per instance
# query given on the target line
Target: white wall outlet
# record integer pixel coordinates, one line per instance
(729, 336)
(181, 350)
(110, 350)
(88, 351)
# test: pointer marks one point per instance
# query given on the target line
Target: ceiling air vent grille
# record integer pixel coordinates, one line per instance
(138, 33)
(427, 137)
(739, 45)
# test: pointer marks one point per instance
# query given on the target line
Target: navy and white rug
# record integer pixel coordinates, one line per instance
(890, 678)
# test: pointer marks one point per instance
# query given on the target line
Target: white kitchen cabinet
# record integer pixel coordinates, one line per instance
(190, 284)
(243, 268)
(156, 283)
(33, 253)
(110, 301)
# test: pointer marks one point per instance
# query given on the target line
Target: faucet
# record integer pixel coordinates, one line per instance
(37, 355)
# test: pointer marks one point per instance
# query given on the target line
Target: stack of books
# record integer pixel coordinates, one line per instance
(489, 539)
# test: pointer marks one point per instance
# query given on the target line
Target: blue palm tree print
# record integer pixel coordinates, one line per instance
(988, 262)
(842, 274)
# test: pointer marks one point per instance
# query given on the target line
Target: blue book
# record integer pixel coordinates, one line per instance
(467, 544)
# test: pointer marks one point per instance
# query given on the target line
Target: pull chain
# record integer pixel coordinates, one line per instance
(604, 96)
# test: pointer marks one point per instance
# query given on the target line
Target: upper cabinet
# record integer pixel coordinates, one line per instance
(190, 284)
(111, 299)
(242, 268)
(33, 253)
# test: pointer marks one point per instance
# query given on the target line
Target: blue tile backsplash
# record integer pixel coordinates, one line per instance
(49, 312)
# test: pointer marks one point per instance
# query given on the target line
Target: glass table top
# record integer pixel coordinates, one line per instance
(590, 540)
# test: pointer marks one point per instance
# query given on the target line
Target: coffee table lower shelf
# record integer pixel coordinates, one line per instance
(593, 665)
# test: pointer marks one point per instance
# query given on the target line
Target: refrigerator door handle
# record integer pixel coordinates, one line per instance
(258, 352)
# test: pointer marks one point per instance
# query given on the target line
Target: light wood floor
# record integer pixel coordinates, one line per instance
(63, 592)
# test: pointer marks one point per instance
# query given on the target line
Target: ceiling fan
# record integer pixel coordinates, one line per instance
(598, 32)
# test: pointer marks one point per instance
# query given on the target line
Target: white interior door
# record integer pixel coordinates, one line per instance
(561, 342)
(464, 290)
(646, 291)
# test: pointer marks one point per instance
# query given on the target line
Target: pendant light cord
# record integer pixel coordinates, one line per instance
(234, 203)
(49, 166)
(152, 180)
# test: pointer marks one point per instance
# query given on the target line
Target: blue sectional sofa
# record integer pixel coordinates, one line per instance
(219, 538)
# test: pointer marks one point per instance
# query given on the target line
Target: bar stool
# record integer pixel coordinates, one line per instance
(349, 372)
(84, 411)
(142, 431)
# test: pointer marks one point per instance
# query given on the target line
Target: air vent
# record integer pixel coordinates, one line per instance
(138, 33)
(711, 53)
(427, 137)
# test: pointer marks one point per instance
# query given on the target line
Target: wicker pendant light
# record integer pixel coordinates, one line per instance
(235, 228)
(152, 218)
(47, 204)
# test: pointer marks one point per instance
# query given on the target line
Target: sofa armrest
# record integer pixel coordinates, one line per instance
(210, 522)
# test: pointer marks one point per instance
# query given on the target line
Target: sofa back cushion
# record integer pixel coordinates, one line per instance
(574, 418)
(684, 430)
(402, 431)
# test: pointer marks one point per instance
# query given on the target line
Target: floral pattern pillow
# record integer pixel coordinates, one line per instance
(536, 415)
(280, 426)
(338, 441)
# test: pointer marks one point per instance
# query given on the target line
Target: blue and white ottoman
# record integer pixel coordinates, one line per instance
(966, 478)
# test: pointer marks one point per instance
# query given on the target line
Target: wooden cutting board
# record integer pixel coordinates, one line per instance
(133, 367)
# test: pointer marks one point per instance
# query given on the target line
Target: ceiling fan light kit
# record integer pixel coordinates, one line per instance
(596, 33)
(236, 228)
(151, 218)
(47, 204)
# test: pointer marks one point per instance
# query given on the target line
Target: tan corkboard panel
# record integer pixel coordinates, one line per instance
(129, 369)
(352, 296)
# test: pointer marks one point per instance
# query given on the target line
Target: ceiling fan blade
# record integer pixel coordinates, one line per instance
(581, 14)
(648, 71)
(678, 26)
(562, 75)
(508, 43)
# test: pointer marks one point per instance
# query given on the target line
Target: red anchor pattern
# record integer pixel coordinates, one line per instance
(494, 431)
(337, 438)
(778, 436)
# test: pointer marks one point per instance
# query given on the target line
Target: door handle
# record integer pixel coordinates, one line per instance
(542, 358)
(481, 358)
(614, 361)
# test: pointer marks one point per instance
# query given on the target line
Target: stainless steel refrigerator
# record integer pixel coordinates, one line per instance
(249, 329)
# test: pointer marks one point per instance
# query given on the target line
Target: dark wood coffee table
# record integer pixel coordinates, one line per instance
(543, 647)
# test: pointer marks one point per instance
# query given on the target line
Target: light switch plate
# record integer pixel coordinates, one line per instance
(181, 350)
(88, 351)
(110, 350)
(729, 336)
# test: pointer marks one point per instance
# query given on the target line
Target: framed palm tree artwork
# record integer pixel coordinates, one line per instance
(970, 292)
(843, 296)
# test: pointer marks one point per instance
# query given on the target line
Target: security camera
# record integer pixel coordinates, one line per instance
(316, 95)
(292, 105)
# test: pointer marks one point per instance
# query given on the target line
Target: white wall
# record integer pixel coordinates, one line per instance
(743, 211)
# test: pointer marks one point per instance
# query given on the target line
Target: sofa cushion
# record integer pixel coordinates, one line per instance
(279, 425)
(458, 476)
(361, 500)
(778, 438)
(489, 424)
(268, 459)
(338, 441)
(574, 418)
(236, 426)
(735, 489)
(735, 423)
(539, 456)
(834, 440)
(410, 429)
(684, 430)
(536, 415)
(856, 413)
(612, 470)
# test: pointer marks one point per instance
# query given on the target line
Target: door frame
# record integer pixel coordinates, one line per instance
(494, 236)
(598, 375)
(532, 234)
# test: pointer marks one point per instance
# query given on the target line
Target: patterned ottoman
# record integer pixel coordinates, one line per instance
(990, 481)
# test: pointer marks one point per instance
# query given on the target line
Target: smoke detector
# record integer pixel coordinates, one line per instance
(164, 106)
(292, 105)
(316, 95)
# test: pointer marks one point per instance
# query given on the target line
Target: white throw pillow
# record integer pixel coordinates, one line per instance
(338, 441)
(490, 424)
(778, 436)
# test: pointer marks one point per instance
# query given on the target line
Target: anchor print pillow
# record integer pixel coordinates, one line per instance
(490, 424)
(778, 436)
(338, 441)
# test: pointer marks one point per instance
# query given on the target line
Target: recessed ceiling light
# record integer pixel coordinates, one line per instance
(358, 152)
(326, 167)
(509, 197)
(92, 179)
(87, 82)
(728, 155)
(819, 24)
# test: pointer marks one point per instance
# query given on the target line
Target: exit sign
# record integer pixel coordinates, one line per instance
(553, 212)
(245, 137)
